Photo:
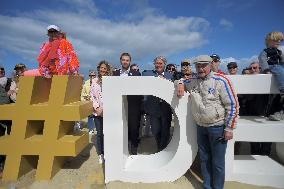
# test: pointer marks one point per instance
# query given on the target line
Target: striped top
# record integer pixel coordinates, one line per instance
(214, 101)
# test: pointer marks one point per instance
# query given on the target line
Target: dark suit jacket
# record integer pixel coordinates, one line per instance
(154, 105)
(134, 101)
(131, 73)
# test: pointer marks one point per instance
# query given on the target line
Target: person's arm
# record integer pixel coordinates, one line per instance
(73, 62)
(230, 101)
(12, 93)
(180, 88)
(262, 58)
(96, 100)
(84, 94)
(282, 57)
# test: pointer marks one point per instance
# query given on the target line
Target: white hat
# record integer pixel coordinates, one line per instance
(53, 27)
(202, 59)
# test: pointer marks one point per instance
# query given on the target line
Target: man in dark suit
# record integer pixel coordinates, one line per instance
(134, 103)
(159, 111)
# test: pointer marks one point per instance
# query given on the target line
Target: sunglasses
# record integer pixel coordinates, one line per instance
(232, 67)
(215, 60)
(185, 64)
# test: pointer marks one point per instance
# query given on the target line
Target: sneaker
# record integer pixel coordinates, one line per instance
(101, 159)
(133, 150)
(91, 132)
(77, 126)
(277, 116)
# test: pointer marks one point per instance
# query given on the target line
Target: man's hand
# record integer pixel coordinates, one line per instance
(99, 111)
(10, 92)
(228, 135)
(180, 90)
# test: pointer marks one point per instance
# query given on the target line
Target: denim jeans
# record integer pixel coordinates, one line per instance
(278, 71)
(100, 135)
(212, 151)
(91, 124)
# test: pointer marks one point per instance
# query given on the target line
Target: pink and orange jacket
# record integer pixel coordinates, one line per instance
(57, 58)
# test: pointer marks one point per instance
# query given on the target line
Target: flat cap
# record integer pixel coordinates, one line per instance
(202, 59)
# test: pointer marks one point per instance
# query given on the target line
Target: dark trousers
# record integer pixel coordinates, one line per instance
(160, 126)
(134, 116)
(100, 135)
(260, 148)
(8, 124)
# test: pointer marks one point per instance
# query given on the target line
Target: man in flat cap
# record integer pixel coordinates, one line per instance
(214, 106)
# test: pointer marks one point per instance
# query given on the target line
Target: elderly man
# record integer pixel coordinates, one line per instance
(214, 106)
(254, 68)
(159, 111)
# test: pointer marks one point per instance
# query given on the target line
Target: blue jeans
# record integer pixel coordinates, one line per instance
(100, 135)
(212, 155)
(278, 71)
(91, 124)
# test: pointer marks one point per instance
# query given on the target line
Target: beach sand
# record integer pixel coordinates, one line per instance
(84, 172)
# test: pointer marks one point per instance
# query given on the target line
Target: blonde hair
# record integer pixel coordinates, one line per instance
(109, 68)
(274, 36)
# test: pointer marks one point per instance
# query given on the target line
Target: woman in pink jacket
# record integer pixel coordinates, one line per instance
(104, 69)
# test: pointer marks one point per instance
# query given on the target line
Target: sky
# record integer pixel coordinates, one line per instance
(103, 29)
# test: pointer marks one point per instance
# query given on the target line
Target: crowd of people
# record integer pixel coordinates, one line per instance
(214, 104)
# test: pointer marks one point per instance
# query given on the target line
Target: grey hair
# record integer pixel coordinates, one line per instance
(161, 58)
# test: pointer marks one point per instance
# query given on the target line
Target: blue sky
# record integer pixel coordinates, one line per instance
(103, 29)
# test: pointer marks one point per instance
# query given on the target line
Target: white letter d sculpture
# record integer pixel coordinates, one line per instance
(166, 165)
(171, 163)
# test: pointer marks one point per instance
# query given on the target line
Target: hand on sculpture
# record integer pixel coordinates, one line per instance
(180, 90)
(10, 92)
(228, 135)
(99, 111)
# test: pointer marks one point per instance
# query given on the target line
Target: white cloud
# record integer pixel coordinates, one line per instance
(95, 38)
(233, 5)
(83, 6)
(226, 23)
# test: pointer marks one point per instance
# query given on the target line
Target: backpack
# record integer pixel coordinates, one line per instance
(273, 56)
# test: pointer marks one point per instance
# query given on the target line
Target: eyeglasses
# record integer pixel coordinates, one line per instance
(215, 60)
(232, 68)
(254, 67)
(2, 69)
(199, 66)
